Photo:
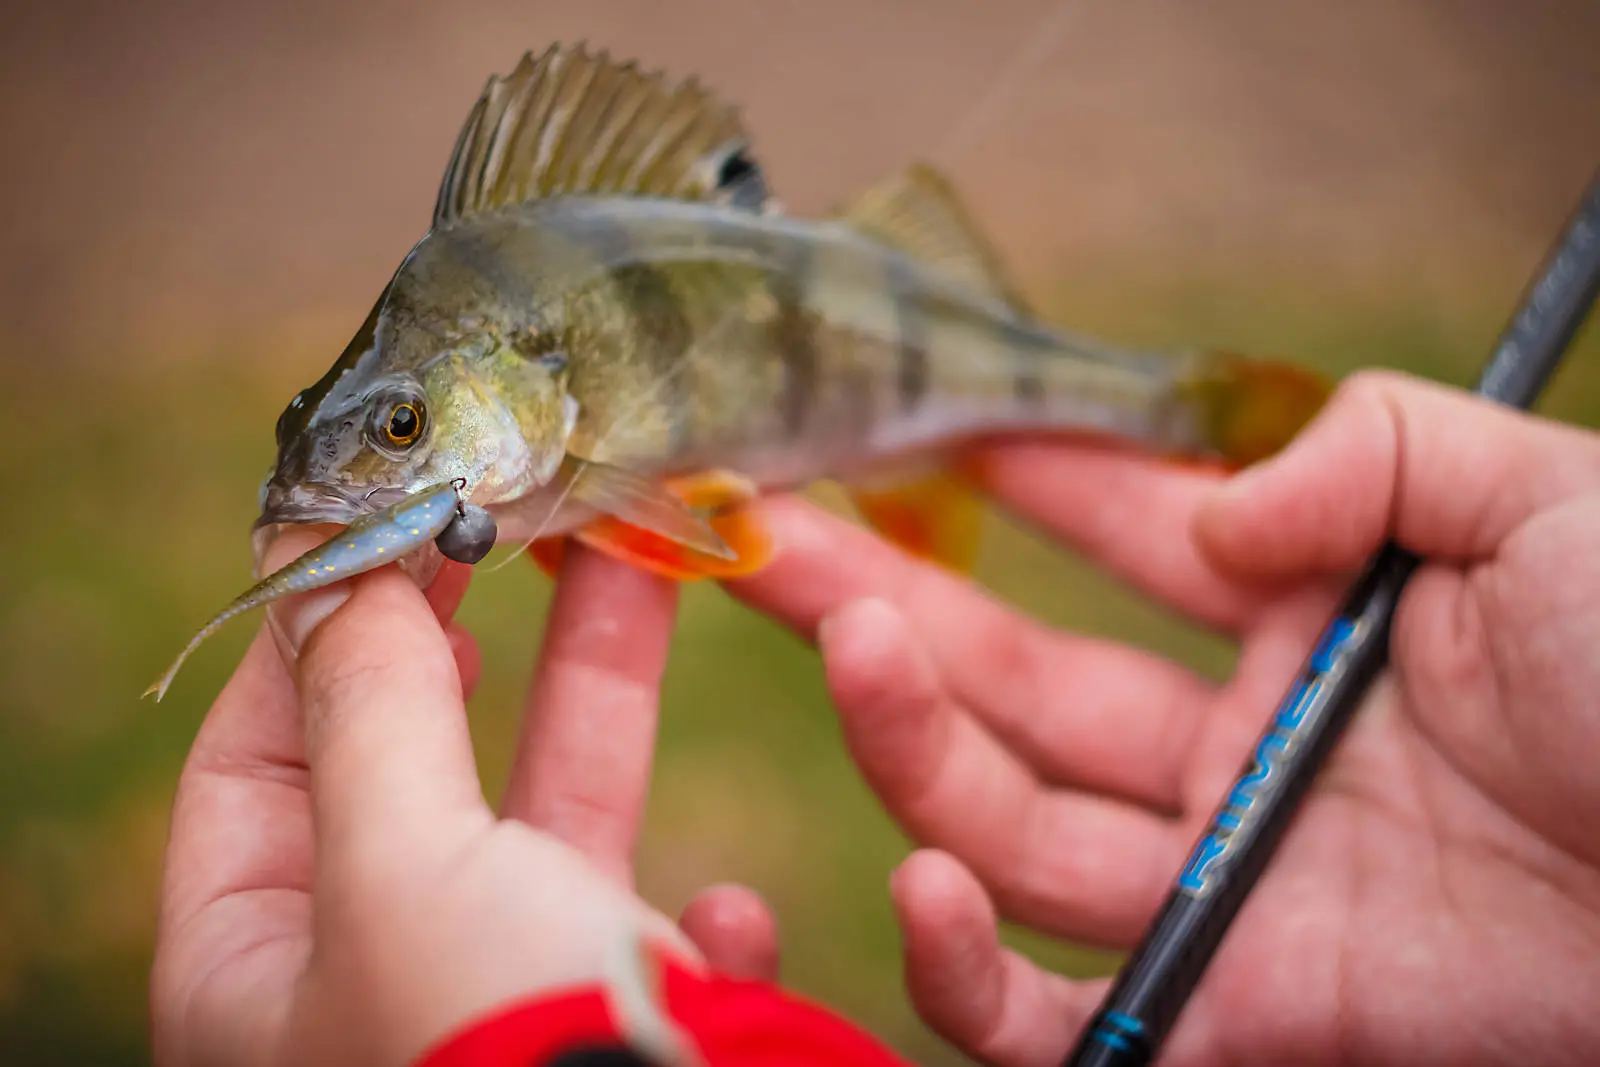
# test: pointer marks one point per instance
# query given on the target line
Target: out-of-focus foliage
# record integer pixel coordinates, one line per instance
(133, 446)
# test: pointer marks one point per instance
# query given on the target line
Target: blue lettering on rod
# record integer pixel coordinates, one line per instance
(1212, 854)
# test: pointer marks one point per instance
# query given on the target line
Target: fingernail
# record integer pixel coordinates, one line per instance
(1224, 494)
(874, 616)
(295, 618)
(1240, 485)
(292, 619)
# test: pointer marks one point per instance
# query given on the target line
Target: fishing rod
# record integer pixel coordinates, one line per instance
(1155, 984)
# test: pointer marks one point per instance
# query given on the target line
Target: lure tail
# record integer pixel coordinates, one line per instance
(371, 541)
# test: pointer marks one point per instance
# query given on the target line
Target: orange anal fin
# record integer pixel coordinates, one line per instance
(934, 517)
(723, 494)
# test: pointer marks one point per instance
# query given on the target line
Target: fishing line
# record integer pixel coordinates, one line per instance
(1037, 47)
(550, 517)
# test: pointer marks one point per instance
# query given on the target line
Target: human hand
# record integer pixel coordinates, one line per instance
(337, 890)
(1438, 898)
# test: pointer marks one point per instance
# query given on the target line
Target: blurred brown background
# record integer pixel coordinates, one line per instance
(202, 199)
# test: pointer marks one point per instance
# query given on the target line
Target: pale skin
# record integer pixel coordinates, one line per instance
(337, 890)
(1437, 902)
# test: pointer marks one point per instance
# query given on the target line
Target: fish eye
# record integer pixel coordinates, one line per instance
(404, 424)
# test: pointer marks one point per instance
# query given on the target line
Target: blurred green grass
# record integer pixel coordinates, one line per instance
(134, 484)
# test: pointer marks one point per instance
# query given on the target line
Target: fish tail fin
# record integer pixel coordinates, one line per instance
(1247, 409)
(930, 514)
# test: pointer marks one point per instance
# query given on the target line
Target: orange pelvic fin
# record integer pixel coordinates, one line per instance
(1250, 408)
(721, 496)
(932, 516)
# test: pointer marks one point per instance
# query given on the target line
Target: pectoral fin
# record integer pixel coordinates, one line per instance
(933, 516)
(649, 506)
(746, 546)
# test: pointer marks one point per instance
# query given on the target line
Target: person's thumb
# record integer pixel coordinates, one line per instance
(1445, 473)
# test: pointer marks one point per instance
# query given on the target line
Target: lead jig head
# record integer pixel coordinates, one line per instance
(471, 534)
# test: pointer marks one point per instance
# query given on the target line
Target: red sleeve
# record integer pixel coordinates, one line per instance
(734, 1023)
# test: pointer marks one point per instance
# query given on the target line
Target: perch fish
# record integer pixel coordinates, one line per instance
(611, 332)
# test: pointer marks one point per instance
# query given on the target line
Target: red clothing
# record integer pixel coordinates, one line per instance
(734, 1023)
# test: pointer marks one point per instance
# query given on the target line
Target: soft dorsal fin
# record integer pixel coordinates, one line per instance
(917, 212)
(570, 121)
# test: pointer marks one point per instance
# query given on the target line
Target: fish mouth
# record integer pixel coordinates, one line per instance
(319, 502)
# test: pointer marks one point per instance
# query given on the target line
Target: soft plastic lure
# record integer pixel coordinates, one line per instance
(367, 543)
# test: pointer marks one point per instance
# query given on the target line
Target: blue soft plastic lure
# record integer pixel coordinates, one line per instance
(366, 544)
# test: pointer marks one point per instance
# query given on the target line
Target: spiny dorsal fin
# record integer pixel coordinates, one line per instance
(918, 213)
(574, 122)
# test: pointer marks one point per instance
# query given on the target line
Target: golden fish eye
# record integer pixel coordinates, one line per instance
(405, 423)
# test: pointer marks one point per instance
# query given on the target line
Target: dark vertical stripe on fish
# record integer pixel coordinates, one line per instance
(662, 321)
(911, 339)
(794, 335)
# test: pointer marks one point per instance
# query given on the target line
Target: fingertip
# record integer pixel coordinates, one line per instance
(292, 619)
(942, 907)
(871, 655)
(1226, 522)
(887, 692)
(735, 931)
(1320, 505)
(993, 1003)
(953, 962)
(287, 543)
(797, 526)
(816, 558)
(863, 635)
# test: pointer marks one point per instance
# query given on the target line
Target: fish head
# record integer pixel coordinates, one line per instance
(348, 455)
(373, 434)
